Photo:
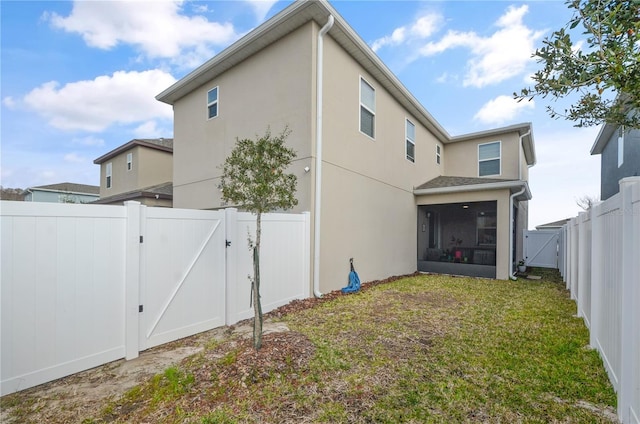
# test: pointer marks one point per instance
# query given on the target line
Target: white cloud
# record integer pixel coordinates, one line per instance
(423, 27)
(502, 109)
(122, 98)
(261, 8)
(89, 141)
(497, 57)
(74, 157)
(150, 129)
(9, 102)
(158, 29)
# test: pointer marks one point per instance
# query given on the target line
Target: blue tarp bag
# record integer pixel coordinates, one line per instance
(354, 280)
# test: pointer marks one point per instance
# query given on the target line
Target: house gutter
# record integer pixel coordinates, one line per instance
(318, 197)
(511, 199)
(520, 157)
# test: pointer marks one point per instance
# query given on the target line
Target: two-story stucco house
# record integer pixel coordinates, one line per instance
(140, 170)
(385, 183)
(619, 151)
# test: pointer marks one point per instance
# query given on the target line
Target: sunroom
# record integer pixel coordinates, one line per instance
(464, 225)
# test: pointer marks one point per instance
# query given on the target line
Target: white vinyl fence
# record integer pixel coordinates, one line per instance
(83, 285)
(601, 266)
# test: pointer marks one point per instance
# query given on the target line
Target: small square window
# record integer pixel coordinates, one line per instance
(212, 103)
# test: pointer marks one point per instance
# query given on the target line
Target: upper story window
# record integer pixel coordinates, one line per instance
(367, 108)
(438, 154)
(410, 140)
(620, 146)
(489, 158)
(129, 161)
(212, 103)
(108, 175)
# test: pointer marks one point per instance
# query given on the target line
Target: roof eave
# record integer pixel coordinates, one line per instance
(129, 145)
(295, 15)
(513, 186)
(603, 137)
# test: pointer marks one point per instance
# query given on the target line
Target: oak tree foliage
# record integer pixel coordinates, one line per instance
(255, 178)
(602, 68)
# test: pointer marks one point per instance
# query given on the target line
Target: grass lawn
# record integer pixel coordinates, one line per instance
(420, 349)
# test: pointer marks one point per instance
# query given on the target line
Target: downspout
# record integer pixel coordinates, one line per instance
(520, 156)
(318, 197)
(511, 198)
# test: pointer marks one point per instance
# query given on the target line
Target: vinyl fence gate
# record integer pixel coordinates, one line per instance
(541, 248)
(83, 285)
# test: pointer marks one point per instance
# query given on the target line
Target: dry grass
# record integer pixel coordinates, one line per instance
(424, 348)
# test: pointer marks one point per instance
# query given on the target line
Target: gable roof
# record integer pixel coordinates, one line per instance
(69, 188)
(444, 184)
(603, 137)
(164, 144)
(289, 19)
(299, 13)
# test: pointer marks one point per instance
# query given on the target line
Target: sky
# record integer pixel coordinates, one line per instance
(79, 78)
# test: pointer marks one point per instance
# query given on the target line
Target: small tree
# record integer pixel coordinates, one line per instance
(604, 71)
(254, 179)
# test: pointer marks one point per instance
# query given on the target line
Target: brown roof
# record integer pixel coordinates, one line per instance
(444, 182)
(163, 191)
(69, 188)
(165, 144)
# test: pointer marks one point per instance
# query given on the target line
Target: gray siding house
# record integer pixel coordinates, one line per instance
(619, 150)
(62, 193)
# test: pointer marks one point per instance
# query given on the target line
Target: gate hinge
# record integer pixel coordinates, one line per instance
(141, 239)
(140, 308)
(227, 243)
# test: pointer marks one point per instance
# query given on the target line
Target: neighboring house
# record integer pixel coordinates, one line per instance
(620, 156)
(385, 183)
(140, 170)
(62, 193)
(556, 225)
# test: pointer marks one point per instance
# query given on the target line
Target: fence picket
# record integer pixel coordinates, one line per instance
(601, 268)
(73, 278)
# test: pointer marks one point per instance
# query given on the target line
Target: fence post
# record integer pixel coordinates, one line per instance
(132, 280)
(231, 265)
(597, 256)
(630, 298)
(307, 254)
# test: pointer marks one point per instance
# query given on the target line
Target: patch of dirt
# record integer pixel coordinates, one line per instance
(84, 395)
(79, 396)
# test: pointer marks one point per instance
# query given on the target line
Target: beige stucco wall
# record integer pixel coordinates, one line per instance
(272, 88)
(502, 213)
(368, 207)
(149, 167)
(461, 157)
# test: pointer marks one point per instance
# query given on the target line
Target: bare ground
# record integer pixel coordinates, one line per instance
(79, 396)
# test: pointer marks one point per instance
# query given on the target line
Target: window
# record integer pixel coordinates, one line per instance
(367, 108)
(620, 146)
(410, 140)
(438, 154)
(486, 228)
(212, 102)
(489, 159)
(108, 175)
(129, 161)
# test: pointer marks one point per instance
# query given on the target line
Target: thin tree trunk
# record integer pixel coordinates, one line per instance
(257, 307)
